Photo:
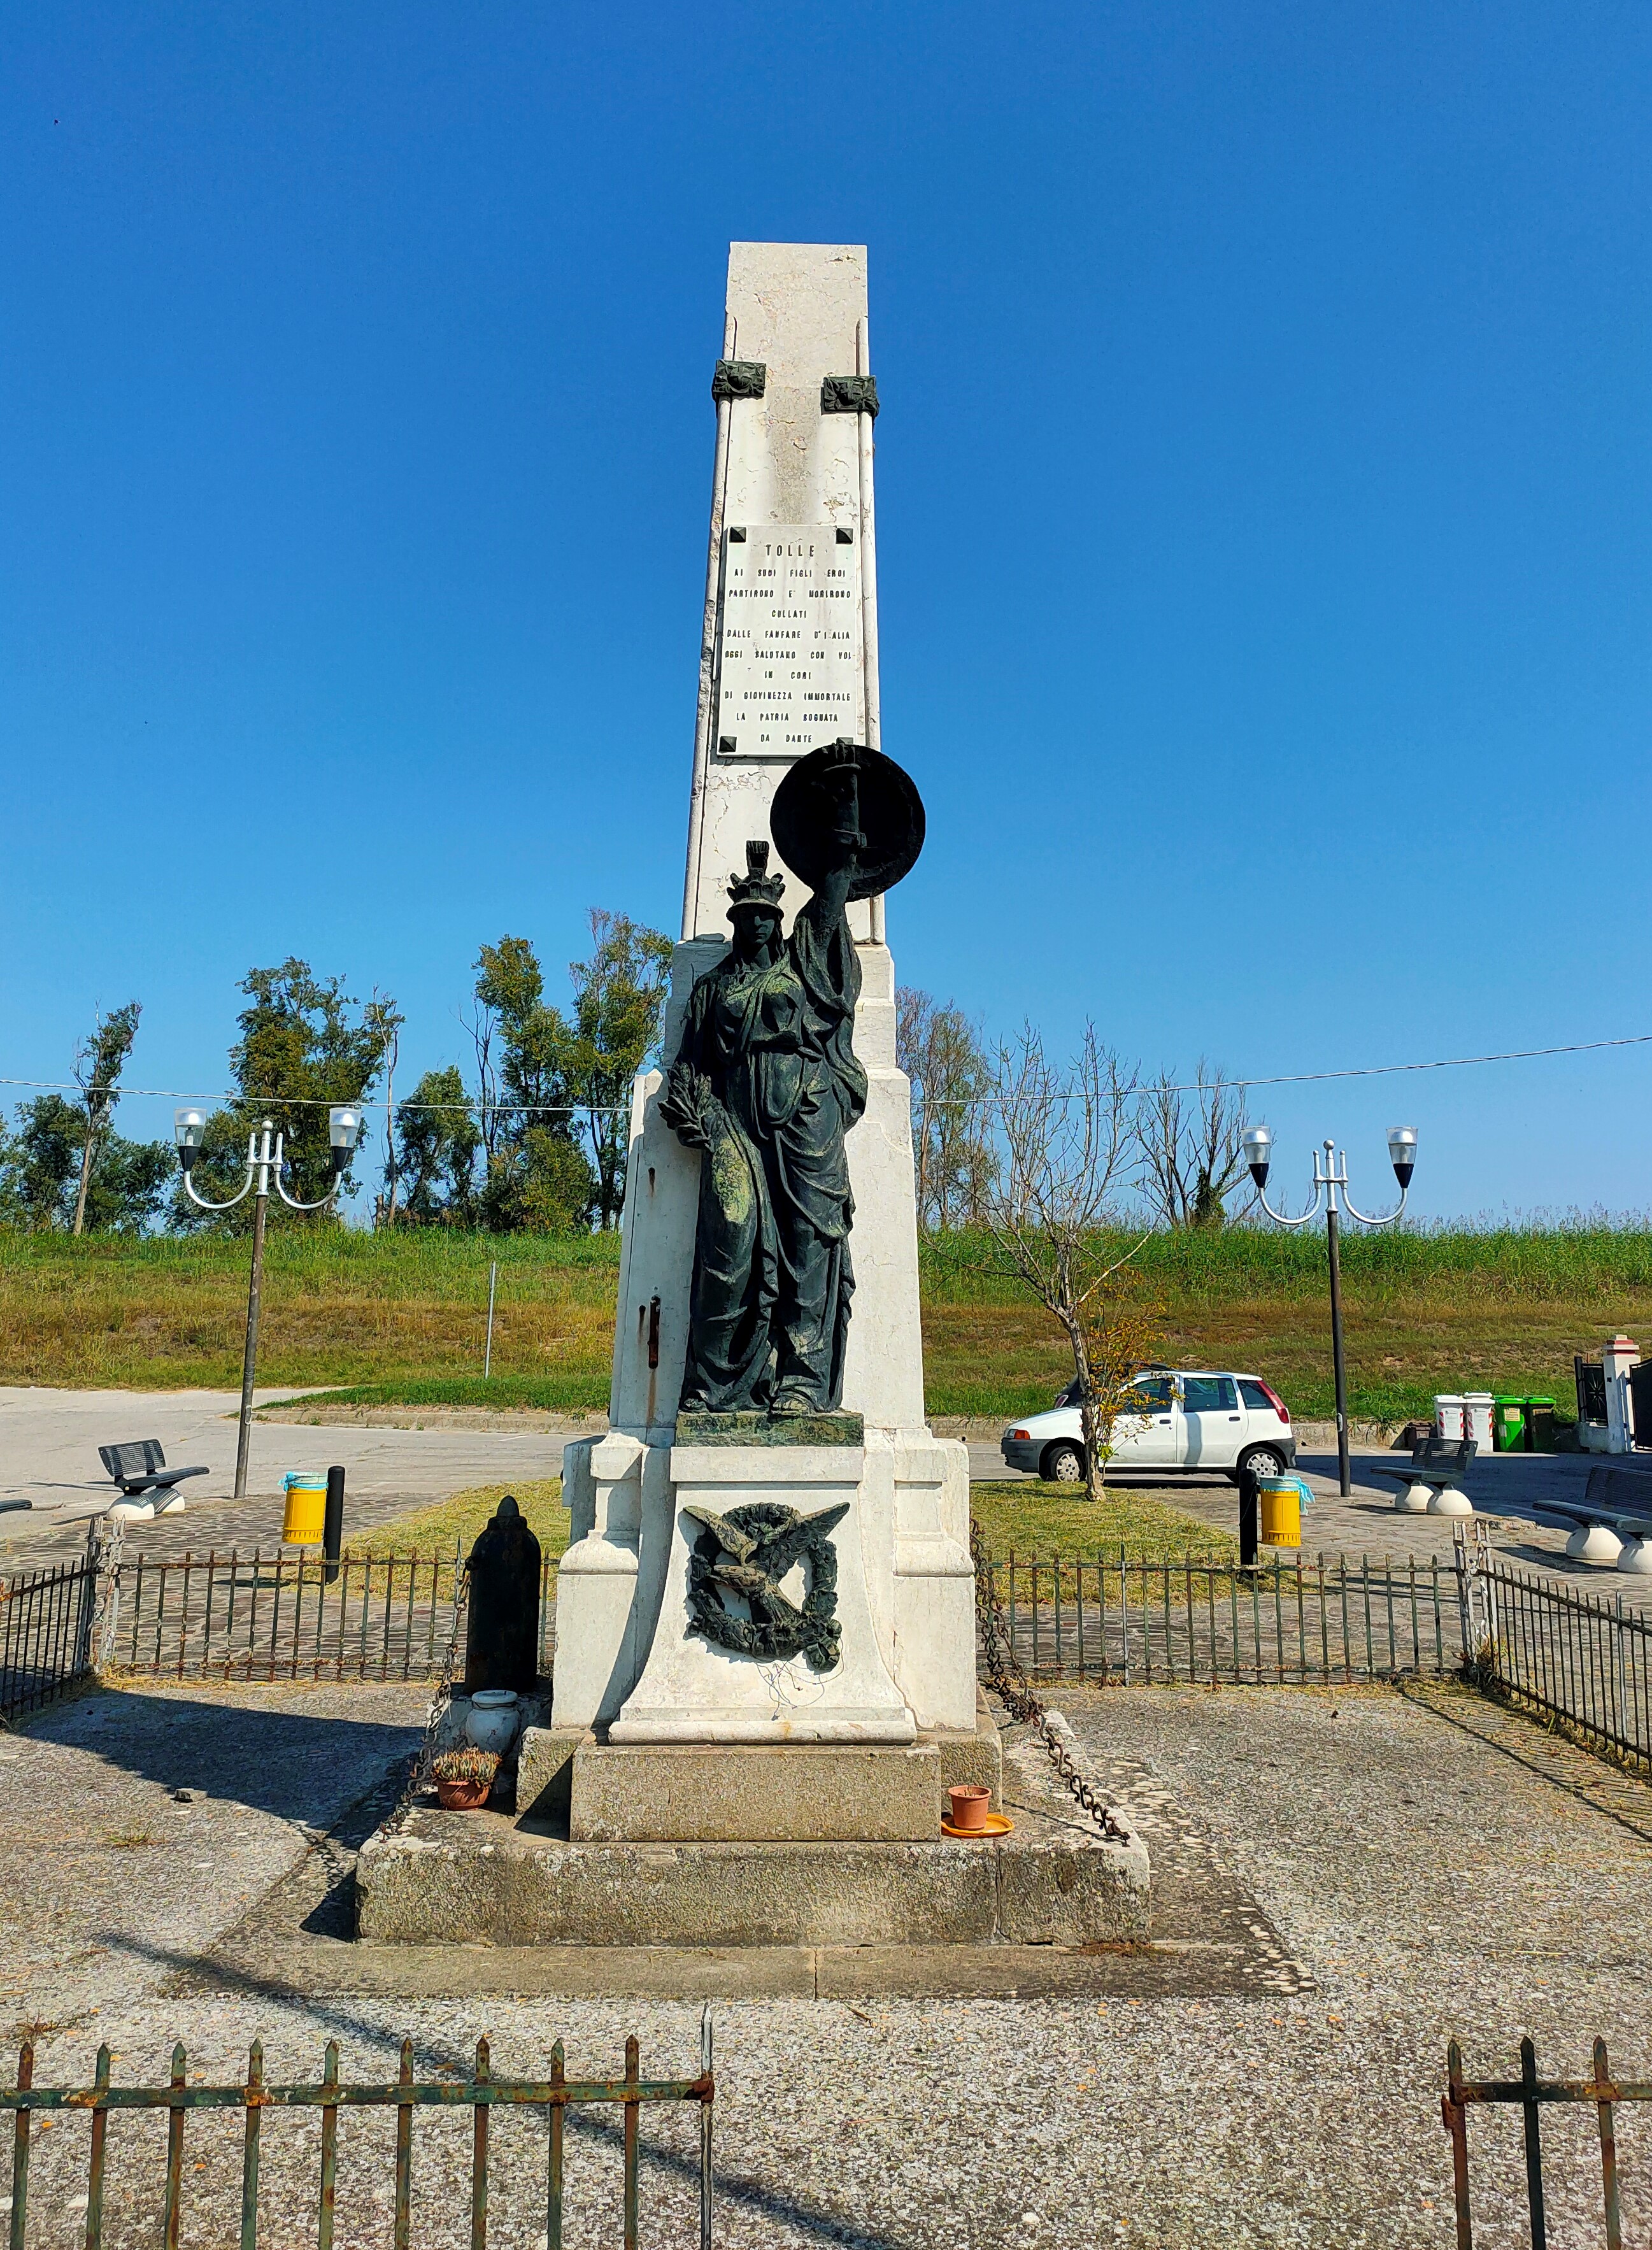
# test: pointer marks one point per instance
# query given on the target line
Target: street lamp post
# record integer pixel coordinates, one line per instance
(266, 1160)
(1330, 1180)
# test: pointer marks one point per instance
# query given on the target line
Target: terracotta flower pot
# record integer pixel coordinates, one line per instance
(970, 1806)
(462, 1796)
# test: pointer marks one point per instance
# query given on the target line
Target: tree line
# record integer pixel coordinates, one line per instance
(532, 1139)
(1175, 1150)
(529, 1134)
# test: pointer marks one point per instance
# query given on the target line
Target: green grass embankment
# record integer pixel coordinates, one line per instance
(403, 1316)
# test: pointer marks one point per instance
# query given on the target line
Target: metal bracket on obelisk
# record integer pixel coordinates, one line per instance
(849, 394)
(739, 379)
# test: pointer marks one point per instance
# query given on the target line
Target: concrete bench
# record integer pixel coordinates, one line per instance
(1429, 1486)
(1610, 1524)
(147, 1486)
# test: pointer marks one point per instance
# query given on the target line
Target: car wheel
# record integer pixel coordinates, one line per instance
(1063, 1464)
(1263, 1460)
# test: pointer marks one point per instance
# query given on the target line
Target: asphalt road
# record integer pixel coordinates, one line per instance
(49, 1442)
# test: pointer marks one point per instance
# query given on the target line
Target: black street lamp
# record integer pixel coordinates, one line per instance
(1330, 1180)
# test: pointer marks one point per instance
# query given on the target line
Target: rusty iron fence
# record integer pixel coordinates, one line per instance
(1601, 2091)
(1557, 1650)
(47, 1621)
(288, 1615)
(482, 2092)
(1116, 1618)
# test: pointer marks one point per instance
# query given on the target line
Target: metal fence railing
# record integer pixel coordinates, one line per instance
(1125, 1619)
(288, 1615)
(47, 1619)
(1570, 1654)
(482, 2092)
(1531, 2093)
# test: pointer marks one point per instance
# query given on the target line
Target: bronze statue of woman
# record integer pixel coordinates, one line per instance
(766, 1085)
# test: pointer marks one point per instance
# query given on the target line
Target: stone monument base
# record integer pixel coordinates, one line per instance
(772, 1792)
(802, 1844)
(485, 1879)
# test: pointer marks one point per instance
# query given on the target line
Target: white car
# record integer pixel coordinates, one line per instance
(1195, 1420)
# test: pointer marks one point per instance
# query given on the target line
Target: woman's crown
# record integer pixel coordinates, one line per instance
(756, 887)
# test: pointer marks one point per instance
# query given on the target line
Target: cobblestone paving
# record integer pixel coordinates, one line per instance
(1419, 1871)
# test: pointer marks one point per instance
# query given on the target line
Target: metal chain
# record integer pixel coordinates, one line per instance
(1009, 1682)
(419, 1768)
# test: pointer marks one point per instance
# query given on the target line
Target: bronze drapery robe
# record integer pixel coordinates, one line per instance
(766, 1084)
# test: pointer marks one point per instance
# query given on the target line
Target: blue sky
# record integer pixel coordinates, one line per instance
(1265, 530)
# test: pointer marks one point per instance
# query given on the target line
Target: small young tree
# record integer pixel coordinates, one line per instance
(1188, 1157)
(435, 1153)
(98, 1066)
(536, 1178)
(951, 1077)
(40, 1166)
(1064, 1143)
(619, 1007)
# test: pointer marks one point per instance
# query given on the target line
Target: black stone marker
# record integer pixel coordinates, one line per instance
(502, 1631)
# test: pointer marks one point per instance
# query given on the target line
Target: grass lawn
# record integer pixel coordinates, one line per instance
(1031, 1520)
(455, 1522)
(401, 1317)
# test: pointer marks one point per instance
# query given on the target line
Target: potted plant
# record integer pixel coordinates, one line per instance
(464, 1777)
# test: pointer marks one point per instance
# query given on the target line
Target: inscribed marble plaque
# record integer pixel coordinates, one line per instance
(788, 640)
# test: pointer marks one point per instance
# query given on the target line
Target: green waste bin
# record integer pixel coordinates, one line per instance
(1539, 1426)
(1522, 1424)
(1508, 1424)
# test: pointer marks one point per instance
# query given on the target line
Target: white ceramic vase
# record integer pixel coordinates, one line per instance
(491, 1722)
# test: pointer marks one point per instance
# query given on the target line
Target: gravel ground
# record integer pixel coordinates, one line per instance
(1424, 1880)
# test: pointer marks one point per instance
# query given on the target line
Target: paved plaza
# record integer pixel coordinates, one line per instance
(1345, 1879)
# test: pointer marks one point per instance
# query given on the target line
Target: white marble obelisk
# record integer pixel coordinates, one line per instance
(789, 660)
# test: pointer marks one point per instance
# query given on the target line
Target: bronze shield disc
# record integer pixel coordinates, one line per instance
(803, 815)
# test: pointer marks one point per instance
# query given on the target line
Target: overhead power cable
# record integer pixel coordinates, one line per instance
(586, 1108)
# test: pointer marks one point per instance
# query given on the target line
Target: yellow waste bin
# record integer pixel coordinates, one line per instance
(1280, 1510)
(306, 1516)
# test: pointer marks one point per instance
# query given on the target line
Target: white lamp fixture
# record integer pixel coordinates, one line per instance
(1402, 1152)
(343, 1130)
(1330, 1186)
(1258, 1144)
(189, 1130)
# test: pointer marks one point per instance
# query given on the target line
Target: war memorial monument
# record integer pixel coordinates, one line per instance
(765, 1675)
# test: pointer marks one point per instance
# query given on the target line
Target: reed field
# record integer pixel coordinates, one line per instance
(401, 1317)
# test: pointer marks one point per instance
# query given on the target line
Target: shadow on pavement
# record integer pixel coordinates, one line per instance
(296, 1765)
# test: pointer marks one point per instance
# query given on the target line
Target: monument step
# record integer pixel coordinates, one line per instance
(803, 1792)
(798, 1792)
(481, 1878)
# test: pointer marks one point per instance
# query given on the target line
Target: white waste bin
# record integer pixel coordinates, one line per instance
(1448, 1414)
(1476, 1415)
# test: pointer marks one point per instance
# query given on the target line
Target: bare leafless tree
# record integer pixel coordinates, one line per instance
(1065, 1140)
(1188, 1159)
(951, 1077)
